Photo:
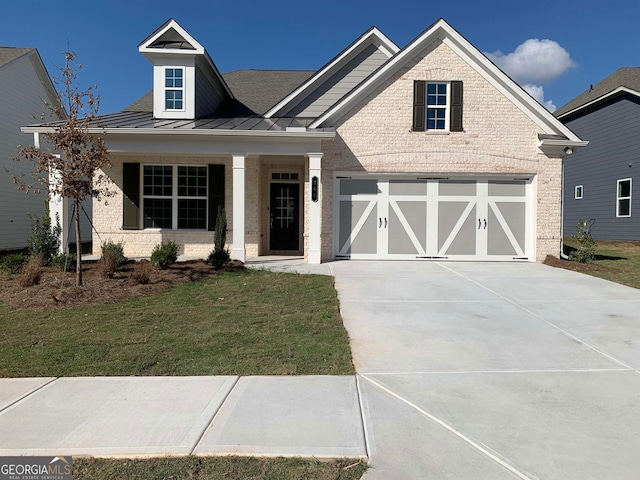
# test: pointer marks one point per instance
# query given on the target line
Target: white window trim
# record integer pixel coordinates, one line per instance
(174, 197)
(618, 197)
(182, 89)
(578, 188)
(447, 108)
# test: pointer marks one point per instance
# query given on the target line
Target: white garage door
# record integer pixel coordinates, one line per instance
(457, 219)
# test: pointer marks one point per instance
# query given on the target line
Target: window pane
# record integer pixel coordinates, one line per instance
(192, 213)
(431, 88)
(157, 180)
(192, 181)
(442, 88)
(435, 118)
(177, 72)
(157, 213)
(624, 188)
(624, 207)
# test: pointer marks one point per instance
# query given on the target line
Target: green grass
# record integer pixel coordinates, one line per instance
(238, 323)
(214, 468)
(617, 261)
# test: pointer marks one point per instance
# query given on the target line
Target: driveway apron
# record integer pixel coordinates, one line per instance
(494, 370)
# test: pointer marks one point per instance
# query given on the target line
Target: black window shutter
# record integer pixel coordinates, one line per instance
(419, 101)
(216, 193)
(456, 107)
(131, 201)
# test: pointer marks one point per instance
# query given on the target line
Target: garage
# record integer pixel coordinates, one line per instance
(433, 217)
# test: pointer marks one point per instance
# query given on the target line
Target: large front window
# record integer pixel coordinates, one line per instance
(175, 196)
(174, 89)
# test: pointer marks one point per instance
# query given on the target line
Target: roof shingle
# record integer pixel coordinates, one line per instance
(8, 54)
(628, 77)
(256, 91)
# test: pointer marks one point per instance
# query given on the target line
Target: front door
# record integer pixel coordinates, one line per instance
(284, 230)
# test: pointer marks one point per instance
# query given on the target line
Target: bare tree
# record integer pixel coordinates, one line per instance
(74, 170)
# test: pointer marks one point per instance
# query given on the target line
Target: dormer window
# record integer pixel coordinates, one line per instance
(174, 89)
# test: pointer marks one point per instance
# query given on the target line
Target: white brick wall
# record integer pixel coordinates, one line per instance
(376, 136)
(498, 137)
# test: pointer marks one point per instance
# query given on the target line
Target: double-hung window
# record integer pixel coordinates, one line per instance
(175, 196)
(437, 106)
(577, 193)
(174, 89)
(623, 203)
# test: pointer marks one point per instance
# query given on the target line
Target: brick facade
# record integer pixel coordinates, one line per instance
(375, 136)
(498, 138)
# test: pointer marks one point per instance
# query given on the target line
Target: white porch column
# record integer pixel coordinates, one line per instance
(315, 207)
(238, 250)
(59, 207)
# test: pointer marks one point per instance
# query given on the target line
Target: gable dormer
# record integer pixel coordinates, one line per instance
(186, 83)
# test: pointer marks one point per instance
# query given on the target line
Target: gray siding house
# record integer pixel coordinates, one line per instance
(602, 180)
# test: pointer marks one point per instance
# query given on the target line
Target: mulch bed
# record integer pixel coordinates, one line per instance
(576, 266)
(57, 289)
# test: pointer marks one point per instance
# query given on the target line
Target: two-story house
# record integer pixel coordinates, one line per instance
(601, 180)
(424, 152)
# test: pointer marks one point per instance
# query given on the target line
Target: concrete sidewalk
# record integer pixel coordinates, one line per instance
(316, 416)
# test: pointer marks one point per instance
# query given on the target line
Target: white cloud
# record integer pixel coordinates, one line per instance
(534, 61)
(537, 92)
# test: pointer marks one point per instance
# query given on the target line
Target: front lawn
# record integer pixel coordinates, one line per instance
(242, 322)
(217, 468)
(617, 261)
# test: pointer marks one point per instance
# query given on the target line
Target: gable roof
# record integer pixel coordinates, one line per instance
(9, 54)
(442, 31)
(372, 36)
(171, 38)
(255, 90)
(625, 79)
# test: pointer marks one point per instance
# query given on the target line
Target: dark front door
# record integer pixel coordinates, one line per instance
(284, 216)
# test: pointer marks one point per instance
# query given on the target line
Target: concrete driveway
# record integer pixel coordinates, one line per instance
(494, 370)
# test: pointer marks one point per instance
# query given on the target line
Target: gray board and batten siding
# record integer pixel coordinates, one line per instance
(613, 153)
(339, 84)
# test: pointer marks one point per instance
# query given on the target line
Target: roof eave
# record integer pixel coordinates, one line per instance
(321, 134)
(388, 47)
(443, 31)
(600, 99)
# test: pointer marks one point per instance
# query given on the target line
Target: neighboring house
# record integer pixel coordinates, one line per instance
(602, 180)
(26, 86)
(429, 151)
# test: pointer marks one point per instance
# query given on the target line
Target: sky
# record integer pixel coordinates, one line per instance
(554, 49)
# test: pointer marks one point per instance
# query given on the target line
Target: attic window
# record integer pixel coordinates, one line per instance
(174, 89)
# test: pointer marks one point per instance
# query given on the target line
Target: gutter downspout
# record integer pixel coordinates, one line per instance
(563, 255)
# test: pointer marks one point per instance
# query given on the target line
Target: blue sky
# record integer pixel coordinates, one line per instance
(588, 40)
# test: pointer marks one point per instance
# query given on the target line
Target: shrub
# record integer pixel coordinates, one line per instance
(45, 238)
(164, 255)
(112, 258)
(13, 263)
(31, 271)
(142, 272)
(65, 262)
(219, 257)
(585, 251)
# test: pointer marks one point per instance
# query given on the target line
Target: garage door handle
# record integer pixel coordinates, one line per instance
(385, 222)
(485, 223)
(479, 224)
(380, 226)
